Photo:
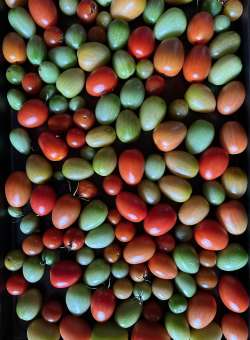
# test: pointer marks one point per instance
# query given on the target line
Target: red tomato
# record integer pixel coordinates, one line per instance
(33, 113)
(200, 28)
(112, 185)
(138, 272)
(53, 238)
(16, 284)
(54, 148)
(53, 36)
(131, 166)
(152, 311)
(31, 83)
(166, 242)
(213, 163)
(160, 219)
(125, 231)
(211, 235)
(97, 33)
(73, 239)
(65, 273)
(234, 327)
(141, 42)
(84, 118)
(87, 189)
(233, 294)
(194, 71)
(155, 85)
(66, 211)
(233, 138)
(32, 245)
(103, 304)
(74, 328)
(52, 311)
(112, 253)
(141, 249)
(145, 330)
(43, 12)
(101, 81)
(131, 206)
(114, 216)
(75, 138)
(18, 189)
(162, 266)
(60, 123)
(43, 200)
(87, 10)
(208, 258)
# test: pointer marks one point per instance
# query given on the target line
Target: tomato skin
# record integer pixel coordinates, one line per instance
(53, 148)
(65, 273)
(84, 118)
(162, 266)
(152, 311)
(125, 231)
(131, 206)
(139, 250)
(97, 33)
(32, 245)
(231, 97)
(31, 83)
(53, 238)
(75, 138)
(131, 166)
(33, 113)
(213, 163)
(160, 219)
(233, 294)
(101, 81)
(16, 285)
(211, 235)
(66, 211)
(112, 185)
(138, 272)
(208, 258)
(201, 28)
(233, 138)
(73, 238)
(87, 189)
(114, 216)
(52, 311)
(87, 10)
(103, 304)
(145, 330)
(14, 49)
(18, 189)
(53, 36)
(166, 242)
(155, 85)
(74, 328)
(234, 327)
(43, 200)
(112, 253)
(43, 12)
(141, 42)
(194, 71)
(60, 123)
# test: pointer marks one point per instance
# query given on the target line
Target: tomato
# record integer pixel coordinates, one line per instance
(206, 278)
(123, 288)
(18, 189)
(33, 113)
(74, 328)
(207, 258)
(75, 138)
(114, 216)
(233, 138)
(53, 36)
(53, 238)
(194, 71)
(155, 85)
(32, 245)
(43, 12)
(112, 185)
(169, 135)
(14, 49)
(138, 272)
(15, 3)
(231, 97)
(16, 284)
(101, 81)
(84, 118)
(166, 242)
(139, 250)
(97, 33)
(60, 123)
(211, 235)
(31, 83)
(52, 311)
(66, 211)
(131, 206)
(112, 253)
(141, 42)
(200, 28)
(87, 10)
(103, 304)
(233, 294)
(74, 238)
(201, 310)
(54, 148)
(145, 330)
(131, 166)
(162, 266)
(152, 311)
(125, 231)
(43, 199)
(65, 273)
(160, 219)
(234, 327)
(87, 189)
(213, 163)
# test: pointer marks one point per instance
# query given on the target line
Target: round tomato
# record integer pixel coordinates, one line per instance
(18, 189)
(65, 273)
(149, 330)
(138, 272)
(86, 189)
(43, 12)
(141, 249)
(87, 10)
(43, 200)
(66, 211)
(53, 238)
(33, 113)
(74, 238)
(53, 36)
(166, 242)
(103, 304)
(75, 138)
(60, 123)
(206, 278)
(141, 42)
(84, 118)
(213, 163)
(32, 245)
(114, 217)
(112, 253)
(16, 284)
(112, 185)
(131, 166)
(54, 148)
(200, 28)
(31, 83)
(74, 328)
(102, 80)
(125, 231)
(234, 327)
(152, 311)
(52, 311)
(155, 85)
(131, 207)
(162, 266)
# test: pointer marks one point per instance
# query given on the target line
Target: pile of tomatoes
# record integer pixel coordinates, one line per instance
(130, 193)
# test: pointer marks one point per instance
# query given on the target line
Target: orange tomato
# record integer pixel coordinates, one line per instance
(131, 206)
(138, 272)
(101, 81)
(155, 85)
(166, 242)
(160, 219)
(206, 278)
(200, 28)
(233, 138)
(152, 311)
(31, 83)
(103, 304)
(162, 266)
(74, 328)
(112, 185)
(33, 113)
(84, 118)
(75, 138)
(112, 253)
(114, 216)
(169, 135)
(32, 245)
(131, 166)
(54, 148)
(213, 163)
(66, 211)
(149, 330)
(87, 10)
(43, 199)
(141, 42)
(139, 250)
(194, 71)
(73, 238)
(125, 231)
(86, 189)
(18, 189)
(52, 311)
(231, 97)
(43, 12)
(53, 36)
(97, 33)
(207, 258)
(60, 123)
(14, 49)
(234, 327)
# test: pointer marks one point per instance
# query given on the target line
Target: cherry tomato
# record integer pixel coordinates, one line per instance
(53, 36)
(32, 245)
(141, 249)
(213, 163)
(43, 12)
(138, 272)
(18, 189)
(233, 138)
(74, 238)
(33, 113)
(52, 311)
(149, 330)
(152, 311)
(53, 238)
(101, 81)
(194, 71)
(155, 85)
(31, 83)
(125, 231)
(97, 33)
(87, 10)
(200, 28)
(131, 166)
(112, 253)
(65, 273)
(54, 148)
(60, 123)
(211, 235)
(103, 304)
(141, 42)
(208, 258)
(75, 138)
(66, 211)
(233, 294)
(162, 266)
(112, 185)
(234, 327)
(87, 189)
(114, 216)
(206, 278)
(84, 118)
(43, 200)
(16, 284)
(74, 328)
(166, 242)
(14, 49)
(123, 288)
(131, 206)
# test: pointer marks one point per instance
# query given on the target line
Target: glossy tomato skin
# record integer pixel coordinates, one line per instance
(32, 245)
(74, 328)
(138, 272)
(84, 118)
(131, 206)
(233, 294)
(53, 238)
(16, 285)
(87, 10)
(125, 231)
(53, 148)
(208, 258)
(197, 64)
(114, 216)
(141, 42)
(65, 273)
(87, 189)
(234, 327)
(231, 97)
(53, 36)
(155, 85)
(66, 211)
(60, 123)
(166, 242)
(33, 113)
(43, 12)
(201, 28)
(145, 330)
(14, 49)
(103, 304)
(233, 137)
(162, 266)
(131, 166)
(213, 163)
(112, 253)
(32, 83)
(18, 189)
(141, 249)
(75, 138)
(101, 81)
(52, 311)
(152, 311)
(112, 185)
(74, 238)
(43, 200)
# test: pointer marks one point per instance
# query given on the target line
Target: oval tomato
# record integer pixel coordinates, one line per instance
(52, 311)
(75, 138)
(32, 83)
(208, 258)
(18, 189)
(194, 71)
(131, 166)
(53, 36)
(112, 185)
(114, 216)
(138, 272)
(43, 12)
(234, 327)
(231, 97)
(213, 163)
(74, 328)
(112, 253)
(65, 273)
(87, 10)
(162, 266)
(152, 311)
(14, 49)
(33, 113)
(125, 231)
(139, 250)
(160, 219)
(131, 207)
(66, 211)
(101, 81)
(60, 123)
(103, 304)
(141, 42)
(149, 330)
(55, 149)
(43, 200)
(84, 118)
(53, 238)
(32, 245)
(200, 28)
(16, 284)
(233, 138)
(73, 239)
(86, 189)
(166, 242)
(155, 85)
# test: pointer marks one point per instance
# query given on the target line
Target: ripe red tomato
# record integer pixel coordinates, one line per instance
(166, 242)
(16, 284)
(33, 113)
(114, 216)
(31, 83)
(87, 10)
(162, 266)
(74, 328)
(18, 189)
(54, 148)
(103, 304)
(112, 253)
(101, 81)
(84, 118)
(155, 85)
(145, 330)
(74, 238)
(125, 231)
(131, 206)
(53, 238)
(65, 273)
(75, 138)
(43, 12)
(200, 28)
(52, 311)
(141, 42)
(60, 123)
(160, 219)
(131, 166)
(53, 36)
(152, 311)
(234, 327)
(87, 189)
(194, 71)
(66, 211)
(43, 199)
(211, 235)
(32, 245)
(213, 163)
(112, 185)
(141, 249)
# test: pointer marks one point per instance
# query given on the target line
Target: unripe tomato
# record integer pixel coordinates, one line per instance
(52, 311)
(74, 238)
(112, 185)
(101, 81)
(43, 200)
(125, 231)
(131, 166)
(84, 118)
(32, 245)
(31, 83)
(43, 12)
(141, 42)
(55, 149)
(53, 36)
(16, 284)
(75, 138)
(53, 238)
(213, 163)
(87, 10)
(33, 113)
(131, 206)
(103, 304)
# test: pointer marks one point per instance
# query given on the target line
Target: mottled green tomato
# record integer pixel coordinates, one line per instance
(214, 7)
(186, 258)
(103, 19)
(214, 192)
(38, 169)
(15, 212)
(144, 68)
(70, 83)
(132, 94)
(78, 299)
(75, 35)
(49, 331)
(153, 10)
(50, 257)
(186, 284)
(33, 269)
(87, 152)
(152, 112)
(20, 140)
(128, 126)
(36, 50)
(29, 304)
(48, 72)
(118, 34)
(14, 259)
(85, 256)
(92, 55)
(47, 92)
(200, 98)
(14, 74)
(29, 223)
(76, 169)
(68, 7)
(16, 99)
(22, 22)
(177, 326)
(142, 291)
(154, 167)
(233, 257)
(107, 108)
(123, 64)
(63, 56)
(76, 103)
(93, 215)
(177, 304)
(224, 43)
(221, 23)
(178, 109)
(149, 191)
(100, 136)
(171, 24)
(108, 330)
(120, 269)
(199, 136)
(105, 161)
(211, 332)
(96, 273)
(100, 237)
(128, 313)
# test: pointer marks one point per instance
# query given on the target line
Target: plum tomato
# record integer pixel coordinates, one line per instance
(131, 206)
(200, 28)
(75, 138)
(131, 166)
(60, 123)
(16, 284)
(33, 113)
(103, 304)
(53, 36)
(141, 249)
(32, 245)
(112, 253)
(125, 231)
(141, 42)
(52, 311)
(101, 81)
(86, 189)
(65, 273)
(162, 266)
(213, 163)
(18, 189)
(73, 238)
(53, 238)
(54, 148)
(74, 328)
(43, 12)
(155, 85)
(43, 199)
(87, 10)
(84, 118)
(112, 185)
(152, 311)
(114, 216)
(31, 83)
(166, 242)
